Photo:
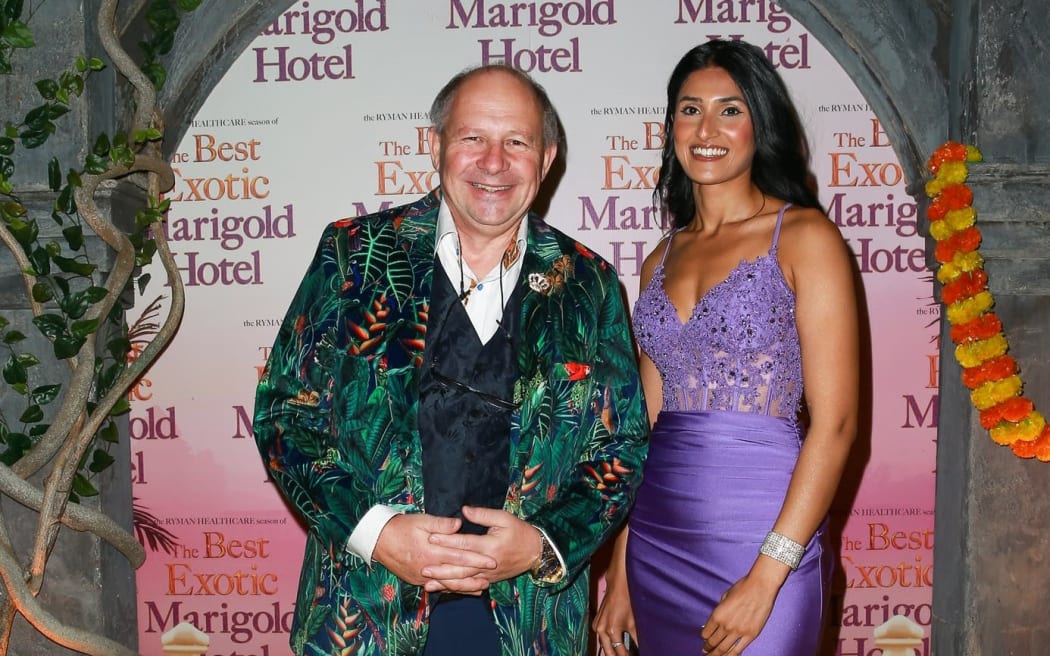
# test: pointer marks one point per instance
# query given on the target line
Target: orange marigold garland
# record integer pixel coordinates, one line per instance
(980, 346)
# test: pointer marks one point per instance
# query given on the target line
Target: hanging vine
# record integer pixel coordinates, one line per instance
(63, 430)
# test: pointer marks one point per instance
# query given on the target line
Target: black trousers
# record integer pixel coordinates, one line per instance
(462, 626)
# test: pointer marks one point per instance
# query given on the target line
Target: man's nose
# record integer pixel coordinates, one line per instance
(493, 159)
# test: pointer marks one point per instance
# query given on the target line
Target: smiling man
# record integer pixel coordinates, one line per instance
(452, 404)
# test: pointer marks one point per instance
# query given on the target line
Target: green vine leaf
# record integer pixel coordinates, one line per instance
(102, 145)
(118, 346)
(156, 74)
(54, 174)
(35, 137)
(149, 134)
(82, 487)
(69, 265)
(95, 164)
(74, 305)
(13, 337)
(50, 325)
(67, 346)
(65, 201)
(121, 407)
(100, 459)
(31, 415)
(62, 284)
(47, 89)
(74, 235)
(14, 373)
(42, 292)
(84, 327)
(17, 445)
(11, 10)
(109, 433)
(44, 394)
(41, 261)
(17, 35)
(27, 360)
(13, 209)
(95, 294)
(25, 232)
(71, 83)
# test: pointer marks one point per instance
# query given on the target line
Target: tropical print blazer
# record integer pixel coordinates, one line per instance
(336, 423)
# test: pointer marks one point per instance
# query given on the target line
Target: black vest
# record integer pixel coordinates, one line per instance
(465, 433)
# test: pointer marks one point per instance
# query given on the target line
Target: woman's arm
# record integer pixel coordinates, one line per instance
(615, 615)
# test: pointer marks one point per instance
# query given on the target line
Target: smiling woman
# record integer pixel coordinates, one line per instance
(745, 305)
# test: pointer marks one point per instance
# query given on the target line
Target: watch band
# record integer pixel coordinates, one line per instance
(548, 568)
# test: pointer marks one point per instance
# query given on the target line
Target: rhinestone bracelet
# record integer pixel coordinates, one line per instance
(782, 548)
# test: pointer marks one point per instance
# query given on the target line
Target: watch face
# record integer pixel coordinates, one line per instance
(549, 569)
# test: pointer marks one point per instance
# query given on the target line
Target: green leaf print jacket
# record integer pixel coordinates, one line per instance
(336, 424)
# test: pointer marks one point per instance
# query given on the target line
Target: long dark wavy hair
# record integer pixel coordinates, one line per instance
(781, 164)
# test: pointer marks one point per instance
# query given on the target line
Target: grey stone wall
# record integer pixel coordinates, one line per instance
(88, 584)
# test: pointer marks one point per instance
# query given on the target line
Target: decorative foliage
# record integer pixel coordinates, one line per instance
(62, 429)
(992, 376)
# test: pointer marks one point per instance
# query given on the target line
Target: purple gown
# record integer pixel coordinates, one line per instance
(720, 458)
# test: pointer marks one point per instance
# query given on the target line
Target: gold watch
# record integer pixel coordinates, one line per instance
(548, 568)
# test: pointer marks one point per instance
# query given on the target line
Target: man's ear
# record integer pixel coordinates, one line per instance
(549, 153)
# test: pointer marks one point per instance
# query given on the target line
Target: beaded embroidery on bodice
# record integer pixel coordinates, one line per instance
(739, 350)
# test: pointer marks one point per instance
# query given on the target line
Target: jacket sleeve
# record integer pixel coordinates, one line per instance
(293, 422)
(595, 497)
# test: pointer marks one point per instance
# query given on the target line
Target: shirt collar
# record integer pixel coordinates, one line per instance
(446, 229)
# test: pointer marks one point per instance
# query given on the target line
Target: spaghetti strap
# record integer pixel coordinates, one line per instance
(667, 246)
(776, 231)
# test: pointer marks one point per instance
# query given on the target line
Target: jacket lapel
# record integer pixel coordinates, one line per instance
(537, 345)
(416, 233)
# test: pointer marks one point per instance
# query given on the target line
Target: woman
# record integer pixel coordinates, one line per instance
(747, 322)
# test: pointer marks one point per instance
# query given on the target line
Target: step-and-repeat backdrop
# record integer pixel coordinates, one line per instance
(325, 116)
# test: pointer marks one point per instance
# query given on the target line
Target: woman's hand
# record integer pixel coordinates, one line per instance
(740, 616)
(614, 618)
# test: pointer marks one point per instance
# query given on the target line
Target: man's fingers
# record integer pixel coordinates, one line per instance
(441, 525)
(449, 572)
(458, 549)
(486, 516)
(470, 586)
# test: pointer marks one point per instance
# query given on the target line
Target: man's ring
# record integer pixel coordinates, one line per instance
(617, 644)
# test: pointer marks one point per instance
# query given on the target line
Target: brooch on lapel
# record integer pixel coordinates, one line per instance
(554, 279)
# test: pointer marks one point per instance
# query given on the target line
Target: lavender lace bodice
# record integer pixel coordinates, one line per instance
(739, 350)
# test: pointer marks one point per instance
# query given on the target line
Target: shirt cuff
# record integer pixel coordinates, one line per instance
(553, 547)
(363, 540)
(558, 574)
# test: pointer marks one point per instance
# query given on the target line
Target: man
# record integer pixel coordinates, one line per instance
(453, 406)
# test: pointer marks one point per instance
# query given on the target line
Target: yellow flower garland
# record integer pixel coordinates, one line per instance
(992, 375)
